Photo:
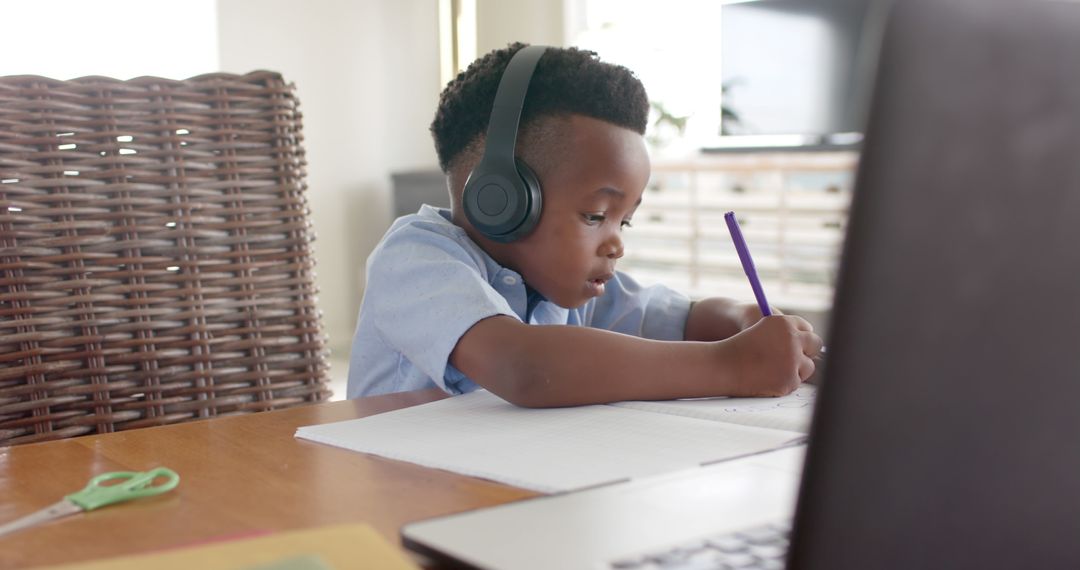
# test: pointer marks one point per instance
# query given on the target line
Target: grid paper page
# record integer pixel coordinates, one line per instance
(791, 412)
(546, 450)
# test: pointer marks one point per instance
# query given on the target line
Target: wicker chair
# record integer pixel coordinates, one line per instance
(154, 254)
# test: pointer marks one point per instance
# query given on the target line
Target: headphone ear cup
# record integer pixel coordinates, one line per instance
(504, 206)
(534, 199)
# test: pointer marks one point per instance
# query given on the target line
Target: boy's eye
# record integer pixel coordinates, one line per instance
(597, 219)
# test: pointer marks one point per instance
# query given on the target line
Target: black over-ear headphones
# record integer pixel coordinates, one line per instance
(502, 195)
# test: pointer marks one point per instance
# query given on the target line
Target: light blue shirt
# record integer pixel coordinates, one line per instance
(428, 283)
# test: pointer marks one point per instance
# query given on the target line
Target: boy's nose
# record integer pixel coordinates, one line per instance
(612, 248)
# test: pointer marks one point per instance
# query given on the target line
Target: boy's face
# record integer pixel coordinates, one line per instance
(591, 185)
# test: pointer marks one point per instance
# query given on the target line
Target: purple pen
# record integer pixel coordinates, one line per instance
(747, 262)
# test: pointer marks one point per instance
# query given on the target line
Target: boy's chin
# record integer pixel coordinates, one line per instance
(563, 301)
(567, 299)
(571, 303)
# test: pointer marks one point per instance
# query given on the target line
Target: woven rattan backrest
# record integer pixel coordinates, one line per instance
(155, 262)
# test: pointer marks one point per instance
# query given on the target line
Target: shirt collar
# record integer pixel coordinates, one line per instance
(533, 298)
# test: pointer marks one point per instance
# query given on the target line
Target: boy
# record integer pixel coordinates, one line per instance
(545, 320)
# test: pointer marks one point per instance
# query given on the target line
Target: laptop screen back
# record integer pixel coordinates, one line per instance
(947, 433)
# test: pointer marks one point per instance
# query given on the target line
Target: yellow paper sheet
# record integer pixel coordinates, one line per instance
(340, 547)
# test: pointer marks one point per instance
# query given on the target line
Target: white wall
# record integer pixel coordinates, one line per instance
(366, 74)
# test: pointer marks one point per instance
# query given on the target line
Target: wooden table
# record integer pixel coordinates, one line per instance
(239, 475)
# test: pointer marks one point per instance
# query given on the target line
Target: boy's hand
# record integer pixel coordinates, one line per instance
(749, 314)
(718, 318)
(771, 357)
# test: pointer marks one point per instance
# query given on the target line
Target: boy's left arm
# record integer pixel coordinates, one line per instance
(717, 318)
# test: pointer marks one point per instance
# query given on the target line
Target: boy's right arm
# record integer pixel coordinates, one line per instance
(563, 365)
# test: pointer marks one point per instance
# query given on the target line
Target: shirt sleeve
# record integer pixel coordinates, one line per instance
(656, 312)
(426, 291)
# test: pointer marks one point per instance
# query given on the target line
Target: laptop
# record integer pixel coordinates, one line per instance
(947, 428)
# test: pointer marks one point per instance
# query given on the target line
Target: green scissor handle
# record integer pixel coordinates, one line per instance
(132, 485)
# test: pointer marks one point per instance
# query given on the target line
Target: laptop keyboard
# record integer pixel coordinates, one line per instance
(757, 547)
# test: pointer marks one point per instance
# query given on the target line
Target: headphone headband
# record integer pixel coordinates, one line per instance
(501, 141)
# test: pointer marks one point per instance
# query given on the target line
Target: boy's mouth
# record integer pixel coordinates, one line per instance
(596, 284)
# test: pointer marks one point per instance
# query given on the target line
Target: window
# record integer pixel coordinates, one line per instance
(672, 46)
(64, 39)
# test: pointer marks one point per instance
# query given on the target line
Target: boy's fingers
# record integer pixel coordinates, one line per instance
(811, 343)
(806, 368)
(800, 323)
(819, 371)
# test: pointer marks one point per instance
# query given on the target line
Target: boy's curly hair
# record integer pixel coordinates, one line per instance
(566, 81)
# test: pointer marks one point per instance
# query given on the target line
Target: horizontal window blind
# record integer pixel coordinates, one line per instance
(792, 208)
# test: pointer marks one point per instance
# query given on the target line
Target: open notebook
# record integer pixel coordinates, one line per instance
(553, 450)
(791, 412)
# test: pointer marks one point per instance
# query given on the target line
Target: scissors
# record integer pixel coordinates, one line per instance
(125, 486)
